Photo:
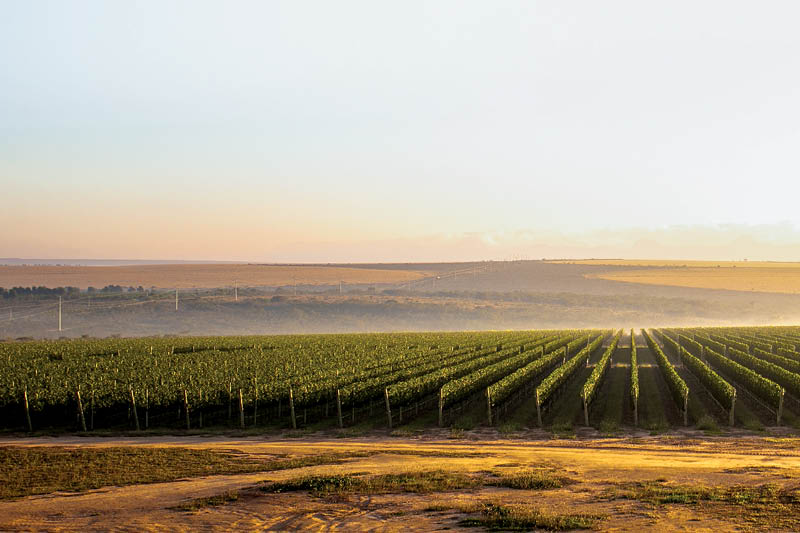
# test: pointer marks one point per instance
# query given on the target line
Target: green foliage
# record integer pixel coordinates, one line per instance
(678, 387)
(599, 371)
(503, 388)
(466, 385)
(634, 372)
(767, 390)
(434, 380)
(556, 378)
(789, 364)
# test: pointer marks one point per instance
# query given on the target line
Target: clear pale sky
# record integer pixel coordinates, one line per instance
(369, 131)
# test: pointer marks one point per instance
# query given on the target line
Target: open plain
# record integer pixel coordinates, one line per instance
(194, 275)
(440, 482)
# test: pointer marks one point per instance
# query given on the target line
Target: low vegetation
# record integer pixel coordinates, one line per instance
(768, 507)
(522, 518)
(532, 480)
(430, 481)
(30, 471)
(196, 504)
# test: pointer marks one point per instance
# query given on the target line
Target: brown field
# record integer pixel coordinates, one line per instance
(675, 263)
(195, 276)
(783, 280)
(626, 484)
(749, 276)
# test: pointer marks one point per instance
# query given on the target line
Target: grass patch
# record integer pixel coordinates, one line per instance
(456, 433)
(43, 470)
(532, 480)
(29, 471)
(461, 507)
(661, 493)
(608, 427)
(212, 501)
(763, 507)
(421, 482)
(519, 518)
(563, 429)
(509, 428)
(467, 421)
(708, 424)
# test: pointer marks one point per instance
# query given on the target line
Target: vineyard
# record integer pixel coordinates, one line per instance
(611, 380)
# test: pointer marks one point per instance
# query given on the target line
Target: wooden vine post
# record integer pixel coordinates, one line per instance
(388, 407)
(186, 408)
(133, 407)
(27, 410)
(587, 352)
(230, 401)
(686, 409)
(441, 407)
(780, 407)
(733, 404)
(488, 406)
(91, 410)
(241, 410)
(538, 409)
(80, 409)
(339, 408)
(291, 407)
(585, 411)
(255, 404)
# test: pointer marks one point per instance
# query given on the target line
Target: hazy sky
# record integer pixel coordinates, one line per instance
(335, 131)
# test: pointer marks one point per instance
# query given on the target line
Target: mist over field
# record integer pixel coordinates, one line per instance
(406, 297)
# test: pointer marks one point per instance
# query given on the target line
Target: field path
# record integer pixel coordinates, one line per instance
(593, 462)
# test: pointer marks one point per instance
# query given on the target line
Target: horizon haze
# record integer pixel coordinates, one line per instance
(362, 132)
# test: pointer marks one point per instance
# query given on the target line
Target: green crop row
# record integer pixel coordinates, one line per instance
(599, 371)
(678, 387)
(466, 385)
(503, 388)
(764, 379)
(634, 372)
(789, 364)
(404, 392)
(558, 376)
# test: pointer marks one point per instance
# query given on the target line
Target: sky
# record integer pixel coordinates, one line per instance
(317, 131)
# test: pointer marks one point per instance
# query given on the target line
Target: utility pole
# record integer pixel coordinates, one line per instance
(295, 286)
(235, 291)
(59, 313)
(176, 299)
(340, 287)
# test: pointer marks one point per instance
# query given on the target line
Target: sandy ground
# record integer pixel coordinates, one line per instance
(596, 463)
(194, 276)
(761, 279)
(676, 263)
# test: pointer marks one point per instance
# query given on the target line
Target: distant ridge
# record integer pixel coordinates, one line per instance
(14, 261)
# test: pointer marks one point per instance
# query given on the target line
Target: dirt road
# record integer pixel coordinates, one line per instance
(597, 464)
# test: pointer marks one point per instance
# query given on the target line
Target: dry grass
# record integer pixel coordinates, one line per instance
(679, 263)
(421, 482)
(29, 471)
(194, 276)
(759, 279)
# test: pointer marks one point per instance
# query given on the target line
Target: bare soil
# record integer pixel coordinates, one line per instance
(195, 276)
(598, 465)
(785, 280)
